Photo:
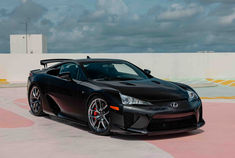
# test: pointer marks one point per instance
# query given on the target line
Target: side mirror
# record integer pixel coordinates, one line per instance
(66, 76)
(147, 71)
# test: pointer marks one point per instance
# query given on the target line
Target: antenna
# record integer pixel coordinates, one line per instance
(26, 22)
(26, 36)
(88, 57)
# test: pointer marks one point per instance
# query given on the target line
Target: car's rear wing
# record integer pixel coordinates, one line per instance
(46, 61)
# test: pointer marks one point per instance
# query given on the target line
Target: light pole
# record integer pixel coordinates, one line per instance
(26, 36)
(27, 20)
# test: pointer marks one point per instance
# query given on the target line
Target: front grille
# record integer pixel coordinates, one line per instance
(182, 104)
(171, 124)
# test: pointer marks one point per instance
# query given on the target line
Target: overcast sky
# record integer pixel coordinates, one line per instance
(123, 25)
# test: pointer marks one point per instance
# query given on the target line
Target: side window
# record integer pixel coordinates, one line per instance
(54, 71)
(71, 68)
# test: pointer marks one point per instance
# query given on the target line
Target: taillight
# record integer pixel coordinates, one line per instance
(30, 74)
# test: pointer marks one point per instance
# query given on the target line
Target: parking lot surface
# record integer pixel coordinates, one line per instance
(24, 135)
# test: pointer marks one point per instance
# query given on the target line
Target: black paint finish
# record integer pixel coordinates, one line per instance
(69, 98)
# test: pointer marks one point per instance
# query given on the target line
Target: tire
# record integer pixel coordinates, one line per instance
(35, 101)
(98, 116)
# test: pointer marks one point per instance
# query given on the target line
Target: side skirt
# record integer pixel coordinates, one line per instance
(68, 118)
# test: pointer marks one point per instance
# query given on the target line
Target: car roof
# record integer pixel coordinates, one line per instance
(87, 60)
(96, 60)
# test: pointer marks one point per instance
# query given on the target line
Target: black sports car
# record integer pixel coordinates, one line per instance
(112, 95)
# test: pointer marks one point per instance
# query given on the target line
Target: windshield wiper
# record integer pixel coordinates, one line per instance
(115, 79)
(103, 79)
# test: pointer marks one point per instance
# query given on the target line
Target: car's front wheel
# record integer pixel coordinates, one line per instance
(98, 116)
(35, 101)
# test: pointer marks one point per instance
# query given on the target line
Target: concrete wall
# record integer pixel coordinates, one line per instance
(15, 67)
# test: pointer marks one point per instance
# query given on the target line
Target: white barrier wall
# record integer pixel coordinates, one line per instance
(16, 67)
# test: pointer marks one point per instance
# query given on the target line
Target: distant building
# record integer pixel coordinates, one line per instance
(36, 44)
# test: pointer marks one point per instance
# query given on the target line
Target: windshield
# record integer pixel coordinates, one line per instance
(113, 71)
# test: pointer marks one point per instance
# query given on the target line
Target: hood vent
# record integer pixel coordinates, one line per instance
(156, 82)
(127, 83)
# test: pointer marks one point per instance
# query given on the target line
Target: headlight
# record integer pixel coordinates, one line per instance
(130, 100)
(192, 95)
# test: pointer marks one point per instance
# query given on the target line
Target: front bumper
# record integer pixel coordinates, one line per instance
(131, 131)
(157, 120)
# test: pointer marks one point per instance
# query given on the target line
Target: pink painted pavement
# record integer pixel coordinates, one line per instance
(9, 119)
(215, 140)
(22, 102)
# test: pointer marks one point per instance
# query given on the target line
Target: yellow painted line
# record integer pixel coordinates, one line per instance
(227, 82)
(232, 85)
(209, 79)
(3, 82)
(222, 97)
(218, 81)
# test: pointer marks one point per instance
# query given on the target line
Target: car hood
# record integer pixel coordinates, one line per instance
(148, 89)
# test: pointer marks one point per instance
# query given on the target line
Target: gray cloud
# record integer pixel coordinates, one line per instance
(178, 11)
(28, 9)
(3, 12)
(216, 1)
(181, 26)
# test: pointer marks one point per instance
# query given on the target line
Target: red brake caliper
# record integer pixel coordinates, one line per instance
(95, 113)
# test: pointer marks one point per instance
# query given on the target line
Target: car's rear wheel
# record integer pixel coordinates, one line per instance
(35, 101)
(98, 116)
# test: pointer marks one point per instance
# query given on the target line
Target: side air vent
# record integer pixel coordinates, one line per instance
(156, 82)
(53, 105)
